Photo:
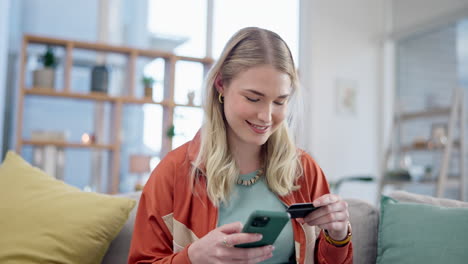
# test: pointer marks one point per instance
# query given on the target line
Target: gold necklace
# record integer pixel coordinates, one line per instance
(252, 181)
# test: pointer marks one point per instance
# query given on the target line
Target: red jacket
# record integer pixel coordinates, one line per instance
(171, 216)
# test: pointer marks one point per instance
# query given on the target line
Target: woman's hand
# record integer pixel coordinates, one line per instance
(218, 247)
(333, 216)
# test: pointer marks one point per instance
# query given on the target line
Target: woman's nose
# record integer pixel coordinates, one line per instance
(264, 114)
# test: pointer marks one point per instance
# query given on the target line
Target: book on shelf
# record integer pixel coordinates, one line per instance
(41, 135)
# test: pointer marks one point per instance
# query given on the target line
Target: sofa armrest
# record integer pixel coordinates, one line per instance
(364, 220)
(117, 253)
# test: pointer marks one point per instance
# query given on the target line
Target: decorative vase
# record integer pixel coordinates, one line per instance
(190, 97)
(44, 78)
(99, 79)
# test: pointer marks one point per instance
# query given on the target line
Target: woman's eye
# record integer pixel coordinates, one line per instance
(252, 100)
(279, 103)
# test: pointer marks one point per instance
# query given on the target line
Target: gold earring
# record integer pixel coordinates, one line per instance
(221, 98)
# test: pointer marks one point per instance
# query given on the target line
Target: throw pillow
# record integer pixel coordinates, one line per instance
(404, 196)
(43, 220)
(421, 233)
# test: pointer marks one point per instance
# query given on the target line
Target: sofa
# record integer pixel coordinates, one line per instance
(364, 219)
(363, 216)
(44, 220)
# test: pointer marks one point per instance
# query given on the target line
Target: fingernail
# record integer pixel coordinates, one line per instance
(272, 248)
(259, 236)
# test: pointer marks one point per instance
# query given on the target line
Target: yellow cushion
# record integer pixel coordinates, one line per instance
(43, 220)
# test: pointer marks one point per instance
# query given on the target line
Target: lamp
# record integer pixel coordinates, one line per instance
(140, 165)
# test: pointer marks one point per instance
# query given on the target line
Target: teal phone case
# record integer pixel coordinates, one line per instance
(270, 229)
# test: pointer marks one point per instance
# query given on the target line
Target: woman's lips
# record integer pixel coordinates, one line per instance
(257, 128)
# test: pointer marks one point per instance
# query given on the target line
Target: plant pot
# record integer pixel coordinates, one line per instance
(44, 78)
(149, 91)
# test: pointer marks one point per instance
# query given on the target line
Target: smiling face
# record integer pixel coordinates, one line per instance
(255, 104)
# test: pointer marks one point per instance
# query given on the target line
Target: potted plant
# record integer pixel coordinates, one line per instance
(148, 83)
(170, 133)
(45, 76)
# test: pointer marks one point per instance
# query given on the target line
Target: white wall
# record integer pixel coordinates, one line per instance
(462, 49)
(343, 43)
(427, 70)
(4, 18)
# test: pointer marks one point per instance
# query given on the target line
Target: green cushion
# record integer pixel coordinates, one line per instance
(421, 233)
(43, 220)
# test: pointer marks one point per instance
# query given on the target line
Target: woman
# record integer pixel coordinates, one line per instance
(193, 206)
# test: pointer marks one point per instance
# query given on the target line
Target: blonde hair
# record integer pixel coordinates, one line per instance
(248, 48)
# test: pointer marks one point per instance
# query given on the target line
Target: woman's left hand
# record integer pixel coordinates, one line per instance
(332, 216)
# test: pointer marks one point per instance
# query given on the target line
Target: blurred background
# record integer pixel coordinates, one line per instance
(363, 64)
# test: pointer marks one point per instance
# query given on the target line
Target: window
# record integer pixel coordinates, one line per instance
(181, 23)
(281, 17)
(184, 26)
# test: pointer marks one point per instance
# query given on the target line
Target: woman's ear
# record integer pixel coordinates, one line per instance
(219, 84)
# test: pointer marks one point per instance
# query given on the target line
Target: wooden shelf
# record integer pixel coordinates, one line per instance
(93, 96)
(96, 96)
(102, 47)
(450, 178)
(189, 105)
(167, 103)
(454, 116)
(409, 148)
(67, 144)
(119, 101)
(425, 114)
(201, 60)
(130, 100)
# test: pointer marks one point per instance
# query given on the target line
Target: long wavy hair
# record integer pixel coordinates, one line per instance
(248, 48)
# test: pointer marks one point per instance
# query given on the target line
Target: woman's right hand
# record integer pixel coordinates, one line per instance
(218, 247)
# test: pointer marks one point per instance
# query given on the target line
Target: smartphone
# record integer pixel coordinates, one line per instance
(267, 223)
(301, 210)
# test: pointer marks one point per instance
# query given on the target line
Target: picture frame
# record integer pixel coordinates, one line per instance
(346, 97)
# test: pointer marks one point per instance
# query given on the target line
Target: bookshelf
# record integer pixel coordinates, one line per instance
(127, 96)
(453, 148)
